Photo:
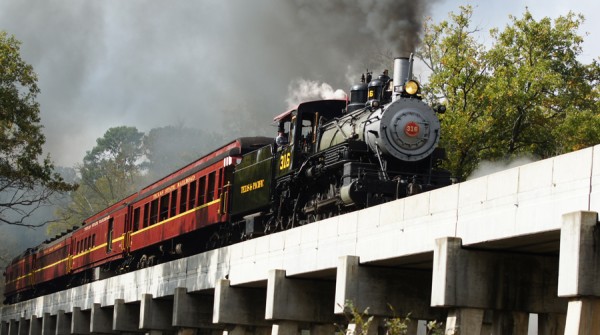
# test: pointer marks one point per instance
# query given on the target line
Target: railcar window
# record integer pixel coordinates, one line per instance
(136, 219)
(173, 211)
(109, 235)
(146, 215)
(202, 191)
(193, 194)
(211, 186)
(164, 206)
(154, 211)
(183, 199)
(93, 240)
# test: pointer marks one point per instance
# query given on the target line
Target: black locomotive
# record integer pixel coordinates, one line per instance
(334, 156)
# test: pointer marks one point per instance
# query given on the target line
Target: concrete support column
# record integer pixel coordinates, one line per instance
(407, 291)
(490, 280)
(80, 321)
(464, 321)
(63, 323)
(13, 327)
(187, 331)
(285, 328)
(23, 328)
(239, 305)
(192, 310)
(327, 329)
(510, 323)
(583, 317)
(35, 325)
(579, 270)
(126, 317)
(236, 330)
(155, 314)
(101, 320)
(551, 324)
(48, 324)
(300, 300)
(412, 327)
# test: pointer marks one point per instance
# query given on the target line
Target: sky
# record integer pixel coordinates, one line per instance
(149, 64)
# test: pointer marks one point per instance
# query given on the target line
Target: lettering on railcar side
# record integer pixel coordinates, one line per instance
(173, 187)
(253, 186)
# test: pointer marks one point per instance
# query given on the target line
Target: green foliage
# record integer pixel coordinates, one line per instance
(359, 320)
(26, 180)
(437, 328)
(110, 172)
(360, 323)
(397, 325)
(526, 94)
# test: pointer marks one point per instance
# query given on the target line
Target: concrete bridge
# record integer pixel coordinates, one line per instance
(480, 256)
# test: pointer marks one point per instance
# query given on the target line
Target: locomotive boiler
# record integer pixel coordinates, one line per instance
(334, 156)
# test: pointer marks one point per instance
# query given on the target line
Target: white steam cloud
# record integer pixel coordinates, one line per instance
(487, 167)
(302, 90)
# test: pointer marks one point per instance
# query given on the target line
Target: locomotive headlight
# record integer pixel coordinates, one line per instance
(411, 87)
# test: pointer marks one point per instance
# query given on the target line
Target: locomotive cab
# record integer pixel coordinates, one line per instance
(298, 132)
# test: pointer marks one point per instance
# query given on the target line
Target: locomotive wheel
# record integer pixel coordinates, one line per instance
(287, 223)
(213, 241)
(271, 226)
(142, 262)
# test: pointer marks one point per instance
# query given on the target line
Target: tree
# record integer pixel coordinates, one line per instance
(169, 148)
(525, 95)
(110, 172)
(26, 183)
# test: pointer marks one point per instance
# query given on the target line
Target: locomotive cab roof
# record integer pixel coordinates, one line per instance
(327, 108)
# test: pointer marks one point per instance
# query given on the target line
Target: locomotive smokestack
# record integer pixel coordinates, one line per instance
(402, 73)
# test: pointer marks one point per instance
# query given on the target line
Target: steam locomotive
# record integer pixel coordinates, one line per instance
(329, 157)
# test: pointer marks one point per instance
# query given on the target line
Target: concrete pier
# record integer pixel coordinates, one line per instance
(243, 306)
(35, 326)
(63, 323)
(579, 272)
(300, 300)
(391, 291)
(48, 324)
(156, 314)
(126, 317)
